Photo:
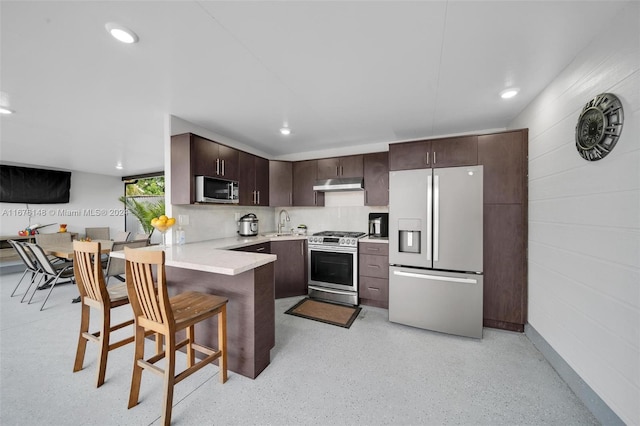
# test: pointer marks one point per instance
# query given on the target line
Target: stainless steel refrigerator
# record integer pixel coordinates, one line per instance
(435, 249)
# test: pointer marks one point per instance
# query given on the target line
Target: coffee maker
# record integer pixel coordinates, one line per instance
(378, 225)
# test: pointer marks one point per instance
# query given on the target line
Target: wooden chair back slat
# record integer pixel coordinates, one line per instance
(87, 269)
(150, 296)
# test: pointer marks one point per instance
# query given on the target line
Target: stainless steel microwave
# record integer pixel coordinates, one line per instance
(215, 190)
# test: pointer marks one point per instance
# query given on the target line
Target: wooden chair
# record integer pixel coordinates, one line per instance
(155, 310)
(94, 293)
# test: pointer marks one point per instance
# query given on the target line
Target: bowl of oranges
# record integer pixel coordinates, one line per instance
(163, 224)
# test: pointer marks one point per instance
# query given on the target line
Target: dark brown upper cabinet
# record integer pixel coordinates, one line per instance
(213, 159)
(253, 180)
(504, 156)
(280, 183)
(305, 174)
(337, 167)
(376, 179)
(445, 152)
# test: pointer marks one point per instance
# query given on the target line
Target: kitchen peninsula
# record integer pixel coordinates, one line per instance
(246, 279)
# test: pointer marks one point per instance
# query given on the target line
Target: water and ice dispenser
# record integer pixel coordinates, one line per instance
(409, 235)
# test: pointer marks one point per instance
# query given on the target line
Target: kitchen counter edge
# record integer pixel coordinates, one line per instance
(384, 240)
(217, 256)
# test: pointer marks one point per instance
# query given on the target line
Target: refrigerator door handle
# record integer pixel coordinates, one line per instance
(429, 215)
(435, 277)
(436, 217)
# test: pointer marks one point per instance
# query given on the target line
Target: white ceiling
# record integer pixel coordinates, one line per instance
(338, 73)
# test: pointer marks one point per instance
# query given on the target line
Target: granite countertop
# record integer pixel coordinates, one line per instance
(216, 255)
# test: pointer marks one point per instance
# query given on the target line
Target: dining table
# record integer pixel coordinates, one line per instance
(65, 250)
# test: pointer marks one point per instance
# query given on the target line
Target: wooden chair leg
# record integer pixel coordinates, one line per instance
(136, 376)
(82, 341)
(169, 378)
(105, 335)
(191, 354)
(222, 343)
(159, 344)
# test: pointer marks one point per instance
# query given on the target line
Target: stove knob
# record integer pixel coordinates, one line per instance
(351, 242)
(341, 241)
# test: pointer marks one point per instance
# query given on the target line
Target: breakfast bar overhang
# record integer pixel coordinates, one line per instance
(247, 280)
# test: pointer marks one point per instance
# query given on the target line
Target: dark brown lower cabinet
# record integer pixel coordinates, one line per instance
(290, 267)
(373, 275)
(256, 248)
(505, 268)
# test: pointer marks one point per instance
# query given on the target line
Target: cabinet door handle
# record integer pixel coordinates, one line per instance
(374, 266)
(217, 166)
(222, 167)
(434, 157)
(373, 249)
(373, 288)
(291, 198)
(258, 197)
(341, 170)
(260, 249)
(427, 157)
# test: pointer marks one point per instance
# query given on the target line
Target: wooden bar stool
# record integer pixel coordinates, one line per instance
(95, 294)
(155, 311)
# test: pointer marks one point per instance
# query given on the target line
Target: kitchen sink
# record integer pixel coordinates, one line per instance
(275, 234)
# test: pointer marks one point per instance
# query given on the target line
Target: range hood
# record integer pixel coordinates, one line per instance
(339, 184)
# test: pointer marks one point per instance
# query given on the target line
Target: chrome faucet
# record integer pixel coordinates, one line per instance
(281, 223)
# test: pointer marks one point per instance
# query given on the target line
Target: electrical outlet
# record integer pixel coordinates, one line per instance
(237, 215)
(183, 219)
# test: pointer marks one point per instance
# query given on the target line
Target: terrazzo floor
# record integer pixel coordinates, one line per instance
(375, 373)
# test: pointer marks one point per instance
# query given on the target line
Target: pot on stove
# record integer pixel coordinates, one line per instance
(248, 225)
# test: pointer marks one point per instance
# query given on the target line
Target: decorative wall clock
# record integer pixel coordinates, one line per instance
(599, 126)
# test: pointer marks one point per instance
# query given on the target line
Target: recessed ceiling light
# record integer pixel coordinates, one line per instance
(285, 131)
(119, 166)
(121, 33)
(4, 110)
(509, 93)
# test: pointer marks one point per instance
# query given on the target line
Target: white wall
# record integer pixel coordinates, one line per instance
(93, 201)
(584, 221)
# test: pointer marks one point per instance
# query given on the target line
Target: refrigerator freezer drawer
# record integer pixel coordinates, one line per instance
(439, 301)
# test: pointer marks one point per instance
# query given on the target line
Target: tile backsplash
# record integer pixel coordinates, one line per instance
(343, 211)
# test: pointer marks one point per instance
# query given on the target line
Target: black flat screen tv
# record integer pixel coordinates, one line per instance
(34, 186)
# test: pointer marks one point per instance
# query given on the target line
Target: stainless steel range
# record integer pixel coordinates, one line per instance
(333, 266)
